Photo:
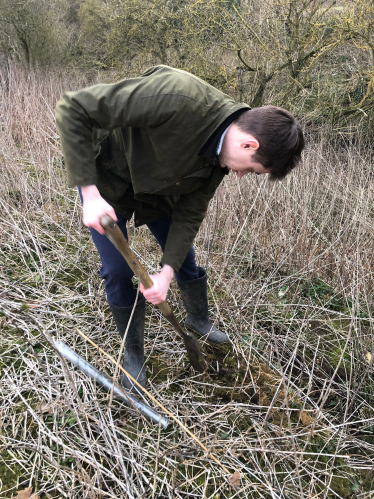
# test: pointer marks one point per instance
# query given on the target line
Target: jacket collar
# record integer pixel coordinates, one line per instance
(210, 147)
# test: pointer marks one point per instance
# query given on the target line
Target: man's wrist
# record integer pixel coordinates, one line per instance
(167, 272)
(90, 192)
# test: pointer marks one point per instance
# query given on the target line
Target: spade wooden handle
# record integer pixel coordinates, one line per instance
(115, 235)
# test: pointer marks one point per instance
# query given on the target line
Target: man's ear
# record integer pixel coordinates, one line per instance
(250, 143)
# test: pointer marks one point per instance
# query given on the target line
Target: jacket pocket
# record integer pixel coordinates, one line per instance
(112, 170)
(110, 157)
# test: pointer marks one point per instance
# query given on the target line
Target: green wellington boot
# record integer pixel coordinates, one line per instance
(195, 301)
(133, 361)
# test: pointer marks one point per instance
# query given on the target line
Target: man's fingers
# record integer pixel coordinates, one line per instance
(153, 295)
(150, 292)
(157, 293)
(100, 229)
(94, 224)
(93, 210)
(112, 214)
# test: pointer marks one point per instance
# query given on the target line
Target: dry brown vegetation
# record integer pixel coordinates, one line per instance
(288, 407)
(315, 57)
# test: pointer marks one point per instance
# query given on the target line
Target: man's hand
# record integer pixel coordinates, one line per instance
(94, 207)
(161, 282)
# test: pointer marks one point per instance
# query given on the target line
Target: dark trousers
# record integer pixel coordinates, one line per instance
(118, 275)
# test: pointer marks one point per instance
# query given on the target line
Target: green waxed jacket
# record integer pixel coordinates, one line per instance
(139, 141)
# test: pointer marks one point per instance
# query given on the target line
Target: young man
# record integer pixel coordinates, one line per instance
(157, 147)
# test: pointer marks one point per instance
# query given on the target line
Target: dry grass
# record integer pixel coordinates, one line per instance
(289, 405)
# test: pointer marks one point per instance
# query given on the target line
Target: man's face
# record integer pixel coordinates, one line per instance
(238, 153)
(242, 168)
(242, 163)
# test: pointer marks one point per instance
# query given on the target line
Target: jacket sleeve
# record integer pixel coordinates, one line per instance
(187, 216)
(128, 103)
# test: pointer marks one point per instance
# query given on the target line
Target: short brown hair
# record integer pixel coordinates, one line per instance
(279, 135)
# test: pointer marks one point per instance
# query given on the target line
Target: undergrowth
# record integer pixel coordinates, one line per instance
(286, 408)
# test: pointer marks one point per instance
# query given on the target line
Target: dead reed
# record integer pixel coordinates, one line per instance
(288, 408)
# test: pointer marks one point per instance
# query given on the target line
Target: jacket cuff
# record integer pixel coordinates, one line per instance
(175, 253)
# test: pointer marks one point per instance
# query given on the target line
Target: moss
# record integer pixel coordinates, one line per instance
(10, 474)
(341, 486)
(339, 357)
(157, 370)
(367, 480)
